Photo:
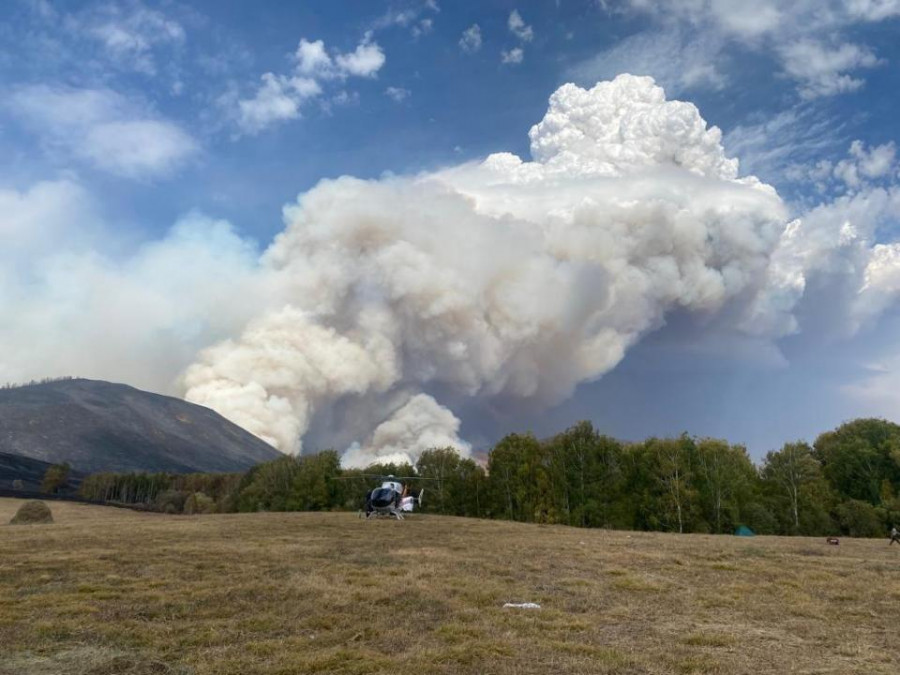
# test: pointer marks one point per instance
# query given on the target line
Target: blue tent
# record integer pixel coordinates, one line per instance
(744, 531)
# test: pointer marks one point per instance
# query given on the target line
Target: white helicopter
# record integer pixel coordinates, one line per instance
(392, 498)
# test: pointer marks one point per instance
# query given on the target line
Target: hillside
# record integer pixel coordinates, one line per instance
(29, 471)
(101, 426)
(113, 591)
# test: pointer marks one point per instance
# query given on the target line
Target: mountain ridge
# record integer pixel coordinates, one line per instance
(96, 426)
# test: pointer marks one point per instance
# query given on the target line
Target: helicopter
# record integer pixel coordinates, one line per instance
(392, 498)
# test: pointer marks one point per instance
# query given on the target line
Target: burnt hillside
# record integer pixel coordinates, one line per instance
(101, 426)
(29, 471)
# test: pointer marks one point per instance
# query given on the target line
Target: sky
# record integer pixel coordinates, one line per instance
(380, 226)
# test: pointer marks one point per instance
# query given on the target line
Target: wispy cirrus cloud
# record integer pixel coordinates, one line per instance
(130, 34)
(811, 44)
(417, 17)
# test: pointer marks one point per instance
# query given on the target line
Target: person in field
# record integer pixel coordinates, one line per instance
(895, 535)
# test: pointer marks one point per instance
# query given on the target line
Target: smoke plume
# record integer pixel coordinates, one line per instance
(503, 278)
(389, 309)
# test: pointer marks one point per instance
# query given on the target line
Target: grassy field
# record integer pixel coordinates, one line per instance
(106, 591)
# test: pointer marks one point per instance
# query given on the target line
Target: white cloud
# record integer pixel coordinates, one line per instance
(424, 27)
(875, 162)
(313, 60)
(277, 99)
(805, 37)
(517, 27)
(512, 56)
(104, 129)
(830, 263)
(409, 17)
(862, 168)
(470, 42)
(281, 97)
(786, 145)
(130, 34)
(873, 10)
(696, 65)
(864, 164)
(344, 98)
(397, 94)
(822, 71)
(365, 61)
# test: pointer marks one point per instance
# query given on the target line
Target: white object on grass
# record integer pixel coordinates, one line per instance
(522, 605)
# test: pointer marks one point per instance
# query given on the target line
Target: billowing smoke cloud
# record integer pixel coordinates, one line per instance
(501, 278)
(503, 283)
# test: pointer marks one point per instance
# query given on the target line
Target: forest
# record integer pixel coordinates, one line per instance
(846, 482)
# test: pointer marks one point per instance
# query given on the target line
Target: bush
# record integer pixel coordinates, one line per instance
(32, 512)
(199, 503)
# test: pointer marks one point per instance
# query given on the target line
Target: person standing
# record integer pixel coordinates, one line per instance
(895, 535)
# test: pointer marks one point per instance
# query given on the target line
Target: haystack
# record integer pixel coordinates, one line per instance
(32, 512)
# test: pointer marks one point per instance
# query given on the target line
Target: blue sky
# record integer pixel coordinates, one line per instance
(121, 119)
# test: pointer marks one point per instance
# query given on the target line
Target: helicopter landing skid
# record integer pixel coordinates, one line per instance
(380, 513)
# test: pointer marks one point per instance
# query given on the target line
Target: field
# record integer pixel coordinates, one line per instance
(106, 591)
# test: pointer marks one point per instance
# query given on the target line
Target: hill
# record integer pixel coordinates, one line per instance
(112, 591)
(101, 426)
(29, 471)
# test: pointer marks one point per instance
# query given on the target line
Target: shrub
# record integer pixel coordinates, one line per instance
(199, 503)
(32, 512)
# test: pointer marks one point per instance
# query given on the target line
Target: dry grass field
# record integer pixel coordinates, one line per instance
(104, 591)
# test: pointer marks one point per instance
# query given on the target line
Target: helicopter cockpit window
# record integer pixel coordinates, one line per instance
(385, 495)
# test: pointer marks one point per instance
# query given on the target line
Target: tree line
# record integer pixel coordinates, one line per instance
(846, 482)
(33, 383)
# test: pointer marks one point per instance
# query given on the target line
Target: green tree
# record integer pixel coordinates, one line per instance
(268, 486)
(587, 476)
(860, 519)
(859, 457)
(314, 486)
(56, 478)
(455, 485)
(794, 477)
(726, 480)
(519, 478)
